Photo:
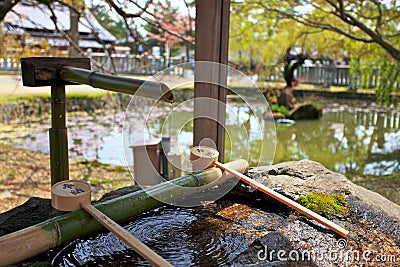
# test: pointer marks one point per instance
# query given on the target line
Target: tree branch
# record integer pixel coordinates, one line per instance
(124, 14)
(6, 6)
(159, 26)
(375, 37)
(318, 25)
(189, 16)
(70, 41)
(378, 18)
(143, 10)
(340, 12)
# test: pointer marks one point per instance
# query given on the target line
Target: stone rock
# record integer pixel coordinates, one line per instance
(304, 177)
(35, 210)
(305, 112)
(373, 222)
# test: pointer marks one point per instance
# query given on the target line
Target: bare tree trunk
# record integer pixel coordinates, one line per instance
(187, 53)
(73, 31)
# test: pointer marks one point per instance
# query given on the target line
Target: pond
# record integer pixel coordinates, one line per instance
(351, 138)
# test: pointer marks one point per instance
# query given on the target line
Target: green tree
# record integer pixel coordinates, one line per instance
(364, 31)
(360, 20)
(250, 40)
(116, 26)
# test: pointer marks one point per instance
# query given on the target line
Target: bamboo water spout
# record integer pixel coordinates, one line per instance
(119, 84)
(53, 71)
(31, 241)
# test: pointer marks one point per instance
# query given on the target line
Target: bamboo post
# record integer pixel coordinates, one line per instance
(58, 136)
(31, 241)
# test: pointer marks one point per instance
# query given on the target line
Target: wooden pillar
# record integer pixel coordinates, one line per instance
(212, 36)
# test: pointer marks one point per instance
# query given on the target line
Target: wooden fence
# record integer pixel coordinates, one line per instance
(135, 64)
(121, 64)
(339, 76)
(326, 75)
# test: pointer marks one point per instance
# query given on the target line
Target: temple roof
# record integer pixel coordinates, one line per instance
(26, 17)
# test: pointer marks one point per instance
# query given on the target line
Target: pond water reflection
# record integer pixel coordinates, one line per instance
(351, 139)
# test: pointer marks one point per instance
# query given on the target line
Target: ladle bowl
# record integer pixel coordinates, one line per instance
(203, 157)
(69, 194)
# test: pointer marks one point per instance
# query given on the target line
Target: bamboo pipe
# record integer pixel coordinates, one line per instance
(73, 195)
(23, 244)
(58, 136)
(206, 156)
(149, 89)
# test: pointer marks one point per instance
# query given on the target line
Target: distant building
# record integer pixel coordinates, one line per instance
(35, 21)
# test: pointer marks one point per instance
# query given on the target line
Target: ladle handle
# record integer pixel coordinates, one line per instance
(125, 236)
(338, 229)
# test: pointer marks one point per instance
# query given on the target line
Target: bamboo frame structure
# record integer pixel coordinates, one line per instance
(58, 72)
(58, 138)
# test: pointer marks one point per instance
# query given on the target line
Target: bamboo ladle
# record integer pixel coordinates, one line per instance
(203, 157)
(71, 195)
